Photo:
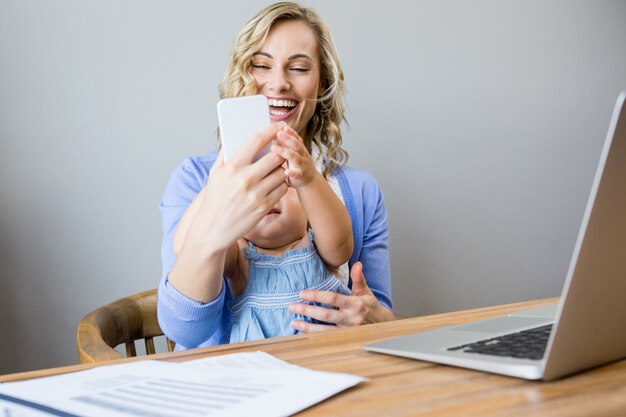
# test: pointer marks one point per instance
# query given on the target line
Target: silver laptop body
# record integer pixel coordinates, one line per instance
(589, 322)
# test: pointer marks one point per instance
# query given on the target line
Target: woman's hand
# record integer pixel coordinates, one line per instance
(239, 193)
(361, 307)
(237, 196)
(300, 169)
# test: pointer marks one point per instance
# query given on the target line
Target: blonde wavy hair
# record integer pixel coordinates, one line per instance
(323, 129)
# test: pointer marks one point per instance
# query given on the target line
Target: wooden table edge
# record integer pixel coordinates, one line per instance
(430, 321)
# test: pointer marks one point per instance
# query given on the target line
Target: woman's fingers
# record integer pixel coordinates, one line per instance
(247, 153)
(264, 194)
(261, 168)
(272, 180)
(361, 307)
(240, 196)
(256, 179)
(359, 285)
(325, 297)
(349, 310)
(306, 327)
(277, 193)
(320, 313)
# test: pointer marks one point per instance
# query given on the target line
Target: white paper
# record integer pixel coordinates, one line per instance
(244, 360)
(207, 387)
(11, 409)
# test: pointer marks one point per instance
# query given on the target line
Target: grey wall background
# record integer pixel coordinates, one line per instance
(482, 121)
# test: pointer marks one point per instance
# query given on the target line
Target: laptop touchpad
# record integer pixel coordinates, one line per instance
(502, 324)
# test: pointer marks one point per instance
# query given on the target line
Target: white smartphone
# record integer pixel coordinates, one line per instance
(240, 118)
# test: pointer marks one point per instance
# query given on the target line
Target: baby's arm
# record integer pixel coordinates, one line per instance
(327, 215)
(329, 220)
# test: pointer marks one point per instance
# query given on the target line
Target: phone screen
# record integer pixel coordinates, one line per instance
(239, 119)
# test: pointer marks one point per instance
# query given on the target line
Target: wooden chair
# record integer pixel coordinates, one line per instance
(123, 321)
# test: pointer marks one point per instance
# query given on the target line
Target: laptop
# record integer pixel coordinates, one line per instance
(586, 328)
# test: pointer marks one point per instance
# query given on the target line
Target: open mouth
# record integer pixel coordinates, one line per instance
(273, 211)
(281, 109)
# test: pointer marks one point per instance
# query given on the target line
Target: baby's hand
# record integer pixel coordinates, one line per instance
(300, 169)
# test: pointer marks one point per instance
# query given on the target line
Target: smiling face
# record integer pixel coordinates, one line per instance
(287, 72)
(284, 224)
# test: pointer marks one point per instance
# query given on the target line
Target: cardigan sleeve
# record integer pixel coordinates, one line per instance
(187, 322)
(375, 250)
(365, 203)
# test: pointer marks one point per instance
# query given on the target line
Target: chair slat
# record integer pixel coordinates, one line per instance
(150, 346)
(130, 349)
(121, 322)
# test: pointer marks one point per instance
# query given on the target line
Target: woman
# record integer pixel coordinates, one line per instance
(285, 53)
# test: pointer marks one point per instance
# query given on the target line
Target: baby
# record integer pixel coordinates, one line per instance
(294, 247)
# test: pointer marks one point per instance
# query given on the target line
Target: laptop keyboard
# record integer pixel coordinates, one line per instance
(527, 344)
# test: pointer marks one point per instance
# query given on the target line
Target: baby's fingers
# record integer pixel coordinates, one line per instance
(290, 141)
(294, 174)
(285, 153)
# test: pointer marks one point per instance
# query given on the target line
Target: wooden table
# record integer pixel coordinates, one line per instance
(405, 387)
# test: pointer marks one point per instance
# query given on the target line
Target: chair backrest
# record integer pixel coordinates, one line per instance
(123, 321)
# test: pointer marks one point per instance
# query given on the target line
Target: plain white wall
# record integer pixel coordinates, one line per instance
(482, 121)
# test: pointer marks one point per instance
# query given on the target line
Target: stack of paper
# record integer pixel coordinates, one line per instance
(243, 384)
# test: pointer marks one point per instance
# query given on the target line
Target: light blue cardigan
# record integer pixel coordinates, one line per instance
(190, 323)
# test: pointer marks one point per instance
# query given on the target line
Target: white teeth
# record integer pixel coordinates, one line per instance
(282, 103)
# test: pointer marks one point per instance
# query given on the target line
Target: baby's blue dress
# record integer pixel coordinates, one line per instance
(273, 282)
